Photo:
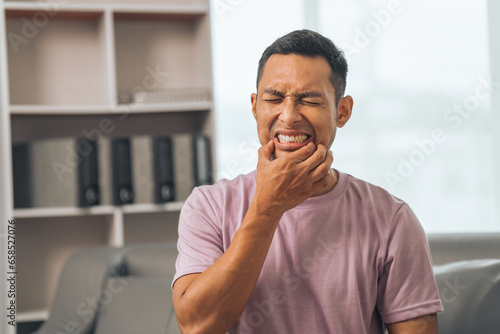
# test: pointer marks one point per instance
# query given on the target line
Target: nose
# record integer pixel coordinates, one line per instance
(290, 113)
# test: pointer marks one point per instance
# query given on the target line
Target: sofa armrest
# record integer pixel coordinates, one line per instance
(470, 294)
(79, 290)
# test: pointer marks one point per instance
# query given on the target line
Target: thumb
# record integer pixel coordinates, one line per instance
(266, 151)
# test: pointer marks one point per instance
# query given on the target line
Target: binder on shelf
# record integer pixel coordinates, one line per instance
(21, 174)
(142, 168)
(183, 165)
(54, 167)
(122, 171)
(202, 160)
(163, 169)
(104, 159)
(88, 173)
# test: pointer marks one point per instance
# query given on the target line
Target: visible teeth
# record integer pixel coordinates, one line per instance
(292, 139)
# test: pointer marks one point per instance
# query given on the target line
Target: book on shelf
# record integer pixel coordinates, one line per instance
(79, 172)
(123, 192)
(45, 173)
(202, 160)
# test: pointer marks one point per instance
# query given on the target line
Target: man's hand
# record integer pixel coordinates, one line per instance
(285, 182)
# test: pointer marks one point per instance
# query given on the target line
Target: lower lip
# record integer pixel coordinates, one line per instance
(290, 146)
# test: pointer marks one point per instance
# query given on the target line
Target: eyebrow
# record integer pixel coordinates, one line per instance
(308, 93)
(272, 92)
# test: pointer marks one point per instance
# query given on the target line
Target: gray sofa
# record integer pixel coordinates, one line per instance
(127, 290)
(467, 271)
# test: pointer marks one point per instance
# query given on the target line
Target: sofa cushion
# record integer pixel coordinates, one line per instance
(470, 294)
(151, 260)
(137, 305)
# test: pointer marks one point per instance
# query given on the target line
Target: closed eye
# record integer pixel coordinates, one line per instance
(273, 100)
(311, 103)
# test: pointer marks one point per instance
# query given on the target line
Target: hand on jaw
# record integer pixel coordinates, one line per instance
(287, 181)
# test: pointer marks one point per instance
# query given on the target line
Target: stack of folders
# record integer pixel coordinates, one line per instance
(84, 172)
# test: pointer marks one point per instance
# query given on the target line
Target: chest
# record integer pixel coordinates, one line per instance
(325, 255)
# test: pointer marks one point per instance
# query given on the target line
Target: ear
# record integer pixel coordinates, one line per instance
(344, 110)
(253, 98)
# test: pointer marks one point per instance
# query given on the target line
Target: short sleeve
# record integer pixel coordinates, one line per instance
(200, 241)
(407, 288)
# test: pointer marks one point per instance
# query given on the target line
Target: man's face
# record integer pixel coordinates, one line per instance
(295, 103)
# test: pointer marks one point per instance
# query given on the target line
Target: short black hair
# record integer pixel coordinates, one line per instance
(310, 44)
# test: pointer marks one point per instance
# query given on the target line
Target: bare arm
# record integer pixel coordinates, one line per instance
(212, 302)
(427, 324)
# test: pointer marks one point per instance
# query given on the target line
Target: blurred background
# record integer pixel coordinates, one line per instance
(425, 78)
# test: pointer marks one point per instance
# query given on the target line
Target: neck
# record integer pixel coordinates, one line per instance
(332, 179)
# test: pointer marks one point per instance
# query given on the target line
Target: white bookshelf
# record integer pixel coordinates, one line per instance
(103, 110)
(6, 202)
(84, 60)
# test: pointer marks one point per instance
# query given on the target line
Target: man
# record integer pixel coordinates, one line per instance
(299, 247)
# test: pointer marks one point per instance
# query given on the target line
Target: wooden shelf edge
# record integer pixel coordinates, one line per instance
(137, 108)
(152, 208)
(192, 9)
(165, 107)
(34, 315)
(20, 8)
(101, 210)
(27, 109)
(83, 11)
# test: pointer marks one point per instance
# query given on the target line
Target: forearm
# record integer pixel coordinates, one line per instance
(427, 324)
(214, 301)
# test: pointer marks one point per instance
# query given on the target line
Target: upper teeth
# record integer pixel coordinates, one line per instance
(292, 139)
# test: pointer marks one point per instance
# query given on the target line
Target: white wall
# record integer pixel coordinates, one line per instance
(240, 33)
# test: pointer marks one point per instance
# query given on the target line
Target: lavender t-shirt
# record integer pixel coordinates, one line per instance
(344, 262)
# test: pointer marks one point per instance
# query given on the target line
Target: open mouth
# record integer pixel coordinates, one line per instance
(285, 139)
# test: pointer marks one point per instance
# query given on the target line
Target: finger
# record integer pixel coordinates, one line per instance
(266, 151)
(303, 153)
(316, 158)
(323, 169)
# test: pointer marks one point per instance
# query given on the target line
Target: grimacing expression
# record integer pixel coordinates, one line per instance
(295, 103)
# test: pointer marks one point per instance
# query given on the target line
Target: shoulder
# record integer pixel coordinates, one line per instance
(367, 191)
(223, 192)
(375, 201)
(224, 187)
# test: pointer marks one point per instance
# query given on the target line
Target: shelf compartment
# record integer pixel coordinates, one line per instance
(60, 61)
(150, 227)
(33, 127)
(156, 54)
(43, 246)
